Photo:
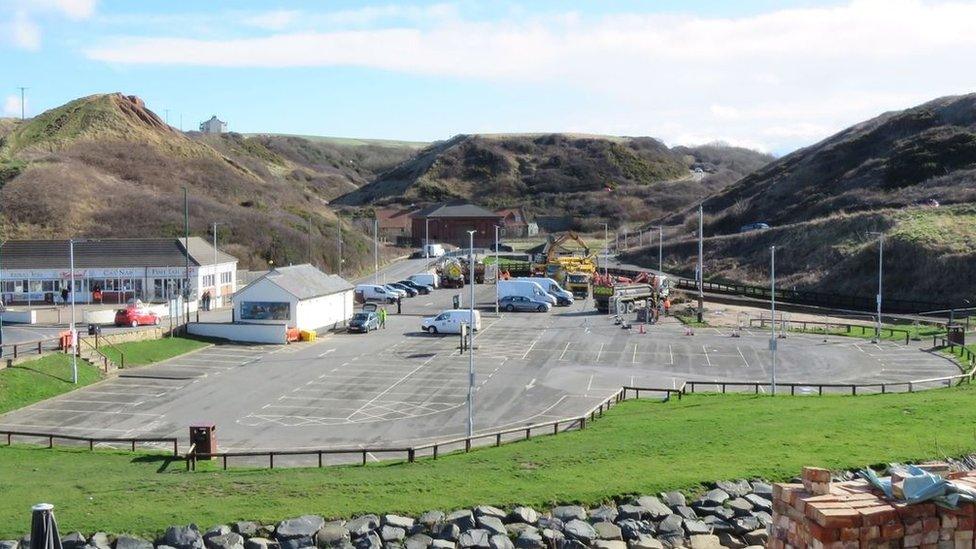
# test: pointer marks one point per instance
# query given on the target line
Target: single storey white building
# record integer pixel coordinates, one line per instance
(299, 296)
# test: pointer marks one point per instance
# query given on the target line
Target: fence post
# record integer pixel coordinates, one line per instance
(527, 433)
(91, 444)
(271, 459)
(133, 445)
(364, 458)
(50, 441)
(320, 459)
(820, 390)
(467, 445)
(410, 455)
(223, 459)
(792, 390)
(38, 347)
(435, 451)
(176, 447)
(911, 387)
(853, 389)
(582, 424)
(555, 428)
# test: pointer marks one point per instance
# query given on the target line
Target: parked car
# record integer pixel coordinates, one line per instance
(364, 322)
(753, 227)
(422, 289)
(521, 303)
(374, 292)
(502, 248)
(395, 291)
(428, 279)
(411, 291)
(449, 322)
(135, 316)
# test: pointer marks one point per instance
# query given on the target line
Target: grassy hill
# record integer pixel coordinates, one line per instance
(552, 174)
(105, 165)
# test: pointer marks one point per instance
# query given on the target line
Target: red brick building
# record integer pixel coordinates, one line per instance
(450, 223)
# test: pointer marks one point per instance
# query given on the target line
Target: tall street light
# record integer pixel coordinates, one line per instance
(772, 309)
(471, 334)
(701, 274)
(660, 248)
(376, 250)
(497, 270)
(1, 296)
(877, 329)
(606, 248)
(426, 238)
(216, 281)
(71, 329)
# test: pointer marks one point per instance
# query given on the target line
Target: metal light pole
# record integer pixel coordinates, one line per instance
(216, 282)
(186, 256)
(498, 270)
(877, 329)
(339, 246)
(376, 251)
(71, 329)
(426, 238)
(1, 297)
(22, 111)
(660, 247)
(772, 309)
(471, 335)
(701, 274)
(606, 248)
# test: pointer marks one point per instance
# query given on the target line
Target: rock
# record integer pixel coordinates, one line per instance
(418, 541)
(734, 488)
(581, 531)
(696, 527)
(499, 541)
(763, 489)
(476, 537)
(633, 529)
(655, 509)
(302, 528)
(717, 524)
(609, 544)
(645, 542)
(674, 499)
(552, 537)
(332, 534)
(430, 518)
(13, 544)
(604, 513)
(524, 514)
(745, 524)
(259, 543)
(183, 537)
(515, 529)
(398, 521)
(715, 497)
(631, 511)
(442, 544)
(760, 503)
(392, 545)
(671, 525)
(567, 513)
(245, 528)
(686, 512)
(230, 540)
(705, 541)
(570, 543)
(529, 540)
(493, 524)
(463, 518)
(608, 531)
(74, 540)
(447, 531)
(728, 540)
(360, 526)
(371, 540)
(218, 530)
(392, 533)
(740, 506)
(266, 531)
(671, 541)
(126, 541)
(551, 523)
(756, 537)
(100, 540)
(488, 511)
(296, 543)
(765, 519)
(721, 512)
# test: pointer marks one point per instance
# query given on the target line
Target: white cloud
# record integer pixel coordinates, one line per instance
(22, 29)
(778, 78)
(11, 105)
(273, 20)
(24, 33)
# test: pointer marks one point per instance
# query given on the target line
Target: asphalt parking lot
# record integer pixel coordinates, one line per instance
(399, 385)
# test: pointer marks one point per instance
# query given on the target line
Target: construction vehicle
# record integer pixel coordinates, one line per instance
(624, 295)
(578, 283)
(452, 274)
(479, 271)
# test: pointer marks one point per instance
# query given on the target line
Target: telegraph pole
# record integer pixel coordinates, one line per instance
(376, 251)
(22, 110)
(471, 336)
(772, 310)
(186, 256)
(339, 245)
(701, 274)
(309, 237)
(74, 333)
(877, 328)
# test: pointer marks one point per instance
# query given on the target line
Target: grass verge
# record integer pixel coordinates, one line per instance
(140, 353)
(867, 332)
(639, 447)
(36, 380)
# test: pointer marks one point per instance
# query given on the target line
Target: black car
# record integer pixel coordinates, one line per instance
(411, 291)
(420, 288)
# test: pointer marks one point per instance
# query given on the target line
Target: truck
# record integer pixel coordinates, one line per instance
(629, 295)
(451, 274)
(578, 283)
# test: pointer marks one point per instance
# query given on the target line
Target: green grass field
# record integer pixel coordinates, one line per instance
(867, 332)
(639, 447)
(36, 380)
(140, 353)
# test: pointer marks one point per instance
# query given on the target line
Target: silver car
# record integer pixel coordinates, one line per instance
(513, 303)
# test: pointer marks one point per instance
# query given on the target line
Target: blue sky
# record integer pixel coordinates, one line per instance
(770, 75)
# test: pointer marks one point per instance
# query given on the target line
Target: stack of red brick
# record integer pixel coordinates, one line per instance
(847, 515)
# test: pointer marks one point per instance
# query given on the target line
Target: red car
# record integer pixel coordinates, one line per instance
(136, 317)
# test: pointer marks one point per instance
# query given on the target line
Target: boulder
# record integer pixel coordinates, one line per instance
(371, 540)
(515, 529)
(74, 540)
(763, 489)
(524, 514)
(230, 540)
(567, 513)
(529, 540)
(674, 499)
(447, 531)
(705, 541)
(734, 488)
(418, 541)
(740, 506)
(442, 544)
(552, 537)
(100, 540)
(259, 543)
(742, 525)
(717, 524)
(765, 519)
(603, 513)
(245, 528)
(551, 523)
(493, 524)
(392, 545)
(183, 537)
(756, 537)
(580, 531)
(430, 518)
(392, 534)
(671, 541)
(608, 531)
(728, 540)
(488, 511)
(296, 543)
(718, 511)
(126, 541)
(759, 503)
(633, 529)
(360, 526)
(655, 509)
(464, 518)
(671, 525)
(332, 534)
(629, 511)
(570, 543)
(476, 537)
(685, 512)
(609, 544)
(398, 521)
(695, 527)
(645, 542)
(14, 544)
(218, 530)
(302, 528)
(499, 541)
(715, 497)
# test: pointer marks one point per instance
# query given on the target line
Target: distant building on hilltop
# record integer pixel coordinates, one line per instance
(214, 125)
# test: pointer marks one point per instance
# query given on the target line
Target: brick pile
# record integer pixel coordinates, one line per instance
(820, 514)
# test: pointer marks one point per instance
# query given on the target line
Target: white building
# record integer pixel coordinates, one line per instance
(150, 269)
(214, 125)
(299, 296)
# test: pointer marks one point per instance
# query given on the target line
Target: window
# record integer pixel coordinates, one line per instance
(226, 278)
(51, 285)
(208, 280)
(442, 317)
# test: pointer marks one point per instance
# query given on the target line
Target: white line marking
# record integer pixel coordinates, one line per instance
(708, 360)
(390, 388)
(590, 384)
(564, 350)
(671, 354)
(327, 352)
(530, 385)
(600, 352)
(527, 351)
(634, 361)
(743, 356)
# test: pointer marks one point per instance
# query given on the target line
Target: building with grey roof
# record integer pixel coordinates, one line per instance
(300, 296)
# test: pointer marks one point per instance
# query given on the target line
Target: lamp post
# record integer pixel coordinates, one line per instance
(376, 250)
(1, 298)
(71, 329)
(701, 274)
(216, 281)
(877, 329)
(426, 238)
(471, 334)
(339, 246)
(772, 309)
(497, 270)
(660, 248)
(606, 248)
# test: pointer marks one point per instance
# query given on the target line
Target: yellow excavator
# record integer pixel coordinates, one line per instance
(571, 267)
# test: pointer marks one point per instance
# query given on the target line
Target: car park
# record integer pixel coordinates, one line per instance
(136, 316)
(411, 292)
(364, 322)
(450, 321)
(422, 289)
(514, 303)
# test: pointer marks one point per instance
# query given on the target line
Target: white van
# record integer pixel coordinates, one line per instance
(374, 292)
(449, 321)
(426, 279)
(433, 250)
(527, 288)
(563, 297)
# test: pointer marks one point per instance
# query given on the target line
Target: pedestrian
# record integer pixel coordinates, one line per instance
(399, 301)
(383, 317)
(64, 296)
(667, 307)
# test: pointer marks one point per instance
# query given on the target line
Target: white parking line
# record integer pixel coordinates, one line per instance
(746, 362)
(708, 360)
(600, 352)
(325, 353)
(634, 360)
(390, 388)
(564, 351)
(671, 354)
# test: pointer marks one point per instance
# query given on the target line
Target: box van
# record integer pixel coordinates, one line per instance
(449, 322)
(550, 286)
(433, 250)
(374, 292)
(426, 279)
(527, 288)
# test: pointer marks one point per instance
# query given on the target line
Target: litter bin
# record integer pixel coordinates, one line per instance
(94, 329)
(204, 435)
(956, 334)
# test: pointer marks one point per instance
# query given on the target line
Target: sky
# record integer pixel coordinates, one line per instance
(769, 75)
